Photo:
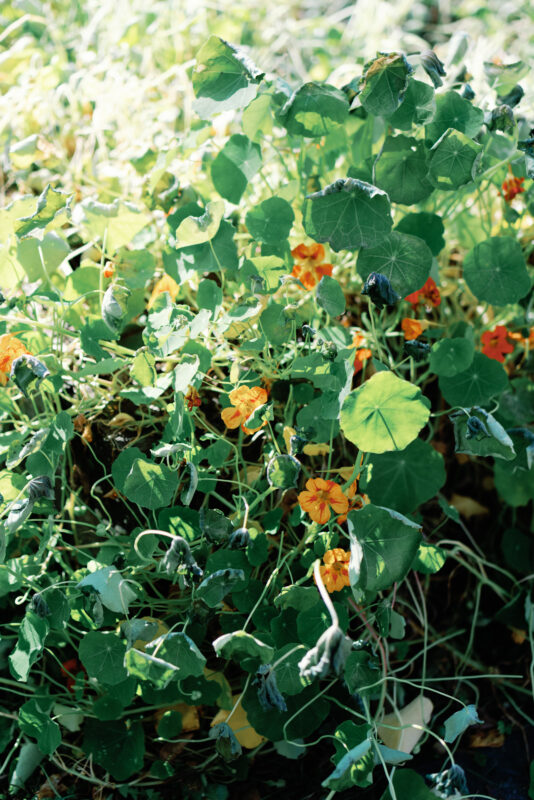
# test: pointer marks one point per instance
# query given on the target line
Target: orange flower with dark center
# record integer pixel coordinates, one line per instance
(165, 284)
(413, 328)
(356, 501)
(362, 354)
(335, 573)
(429, 294)
(10, 349)
(309, 268)
(244, 400)
(496, 344)
(321, 496)
(512, 186)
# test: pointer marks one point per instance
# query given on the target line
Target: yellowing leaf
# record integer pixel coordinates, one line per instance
(402, 729)
(238, 722)
(467, 506)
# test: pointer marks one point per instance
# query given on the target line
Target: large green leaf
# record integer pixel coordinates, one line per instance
(451, 356)
(476, 385)
(403, 479)
(116, 223)
(330, 296)
(402, 170)
(32, 633)
(389, 543)
(384, 413)
(234, 166)
(426, 226)
(34, 720)
(384, 83)
(454, 160)
(270, 221)
(478, 433)
(115, 592)
(173, 656)
(40, 258)
(224, 78)
(405, 260)
(143, 482)
(496, 272)
(240, 646)
(195, 230)
(50, 203)
(314, 110)
(117, 747)
(454, 111)
(348, 214)
(417, 108)
(102, 655)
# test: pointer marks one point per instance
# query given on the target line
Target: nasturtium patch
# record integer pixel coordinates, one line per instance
(385, 413)
(405, 260)
(347, 214)
(496, 272)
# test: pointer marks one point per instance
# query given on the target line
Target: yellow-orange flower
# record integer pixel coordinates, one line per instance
(356, 501)
(335, 573)
(165, 284)
(309, 268)
(10, 349)
(413, 328)
(319, 497)
(361, 355)
(244, 400)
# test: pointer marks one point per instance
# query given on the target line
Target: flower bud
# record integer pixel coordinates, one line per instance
(328, 656)
(434, 68)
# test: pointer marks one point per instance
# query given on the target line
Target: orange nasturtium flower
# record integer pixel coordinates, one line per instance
(320, 496)
(496, 344)
(10, 349)
(429, 294)
(244, 400)
(309, 268)
(165, 284)
(109, 270)
(512, 186)
(192, 399)
(413, 328)
(335, 573)
(362, 354)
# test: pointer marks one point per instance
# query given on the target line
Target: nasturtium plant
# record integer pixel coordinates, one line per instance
(266, 401)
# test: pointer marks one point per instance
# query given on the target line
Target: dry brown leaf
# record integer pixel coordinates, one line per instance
(491, 738)
(238, 722)
(518, 635)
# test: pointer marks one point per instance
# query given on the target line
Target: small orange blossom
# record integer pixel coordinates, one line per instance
(496, 344)
(335, 573)
(356, 501)
(10, 349)
(319, 497)
(165, 284)
(244, 400)
(309, 268)
(413, 328)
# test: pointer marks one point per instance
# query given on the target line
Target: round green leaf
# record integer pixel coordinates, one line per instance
(476, 385)
(454, 111)
(405, 260)
(426, 226)
(451, 356)
(283, 471)
(116, 747)
(348, 214)
(417, 108)
(143, 482)
(454, 159)
(102, 655)
(404, 479)
(495, 271)
(314, 110)
(384, 83)
(234, 166)
(402, 170)
(330, 296)
(384, 413)
(271, 221)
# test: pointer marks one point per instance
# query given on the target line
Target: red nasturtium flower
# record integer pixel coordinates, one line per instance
(429, 294)
(193, 399)
(10, 349)
(496, 344)
(362, 354)
(309, 268)
(512, 186)
(413, 328)
(335, 573)
(69, 669)
(319, 497)
(244, 400)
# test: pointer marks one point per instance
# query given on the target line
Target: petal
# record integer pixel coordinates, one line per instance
(232, 417)
(320, 513)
